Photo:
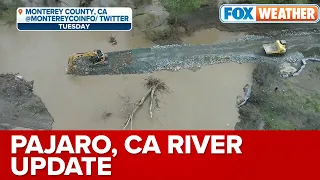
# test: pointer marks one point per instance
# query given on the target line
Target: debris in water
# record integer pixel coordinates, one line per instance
(154, 86)
(112, 40)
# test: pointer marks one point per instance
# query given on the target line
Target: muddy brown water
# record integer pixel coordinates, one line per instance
(204, 99)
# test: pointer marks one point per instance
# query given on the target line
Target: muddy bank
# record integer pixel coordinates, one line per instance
(283, 103)
(19, 107)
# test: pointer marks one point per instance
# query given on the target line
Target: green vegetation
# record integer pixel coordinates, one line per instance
(178, 7)
(288, 107)
(138, 3)
(8, 10)
(171, 34)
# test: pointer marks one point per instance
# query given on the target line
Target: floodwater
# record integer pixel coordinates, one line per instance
(208, 36)
(204, 99)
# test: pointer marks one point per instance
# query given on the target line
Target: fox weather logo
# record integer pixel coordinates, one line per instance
(237, 14)
(269, 13)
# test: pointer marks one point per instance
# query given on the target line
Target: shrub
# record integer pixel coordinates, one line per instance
(178, 7)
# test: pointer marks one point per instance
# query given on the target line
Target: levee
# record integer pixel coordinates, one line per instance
(175, 57)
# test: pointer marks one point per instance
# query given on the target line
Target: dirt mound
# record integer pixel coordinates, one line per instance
(19, 107)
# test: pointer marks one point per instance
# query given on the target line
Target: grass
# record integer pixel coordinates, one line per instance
(279, 124)
(288, 108)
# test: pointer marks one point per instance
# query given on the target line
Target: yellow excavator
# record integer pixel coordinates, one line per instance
(95, 56)
(276, 48)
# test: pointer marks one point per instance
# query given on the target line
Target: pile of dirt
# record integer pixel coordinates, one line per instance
(19, 107)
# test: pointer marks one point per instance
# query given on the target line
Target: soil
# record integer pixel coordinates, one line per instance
(19, 107)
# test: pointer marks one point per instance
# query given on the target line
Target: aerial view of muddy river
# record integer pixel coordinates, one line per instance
(205, 99)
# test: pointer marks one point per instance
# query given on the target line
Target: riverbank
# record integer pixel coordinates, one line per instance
(19, 107)
(282, 104)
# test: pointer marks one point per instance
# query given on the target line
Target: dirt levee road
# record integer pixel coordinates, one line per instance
(175, 57)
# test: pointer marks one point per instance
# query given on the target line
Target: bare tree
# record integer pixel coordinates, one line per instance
(154, 86)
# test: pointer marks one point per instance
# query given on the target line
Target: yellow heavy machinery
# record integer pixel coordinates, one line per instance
(276, 48)
(96, 57)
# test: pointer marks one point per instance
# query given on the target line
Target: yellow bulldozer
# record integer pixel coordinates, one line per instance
(95, 56)
(276, 48)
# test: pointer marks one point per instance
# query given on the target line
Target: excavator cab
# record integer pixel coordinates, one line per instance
(277, 48)
(98, 58)
(99, 54)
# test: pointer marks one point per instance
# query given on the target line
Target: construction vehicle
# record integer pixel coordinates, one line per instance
(276, 48)
(95, 57)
